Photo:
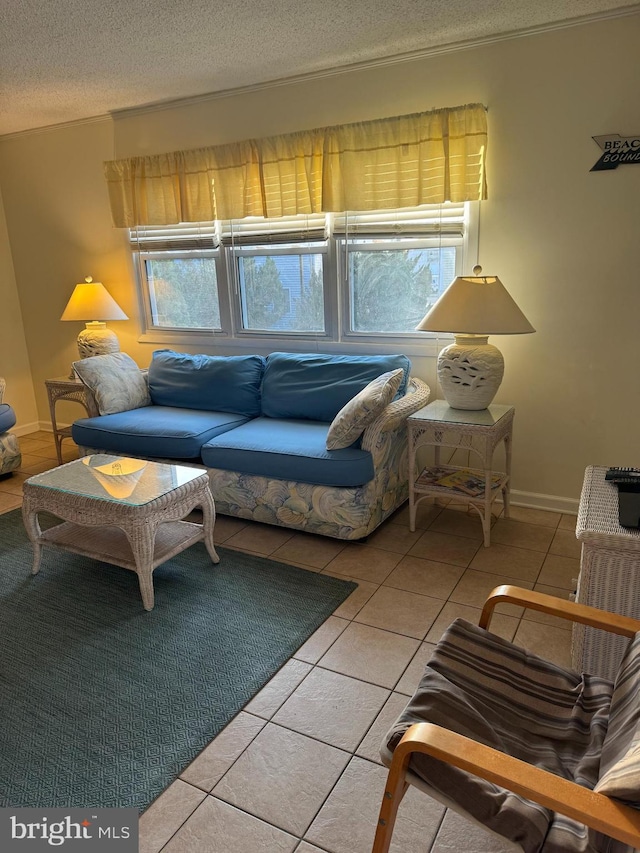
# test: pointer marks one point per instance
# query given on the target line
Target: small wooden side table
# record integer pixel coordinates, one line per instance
(480, 432)
(70, 390)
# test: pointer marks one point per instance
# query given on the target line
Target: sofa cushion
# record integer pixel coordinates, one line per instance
(316, 386)
(163, 432)
(7, 417)
(352, 420)
(288, 450)
(207, 382)
(116, 381)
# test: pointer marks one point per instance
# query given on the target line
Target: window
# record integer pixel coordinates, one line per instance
(281, 292)
(391, 287)
(183, 292)
(340, 277)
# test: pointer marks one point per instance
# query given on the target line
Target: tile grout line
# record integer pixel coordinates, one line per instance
(317, 666)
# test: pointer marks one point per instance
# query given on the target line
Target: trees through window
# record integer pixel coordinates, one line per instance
(339, 277)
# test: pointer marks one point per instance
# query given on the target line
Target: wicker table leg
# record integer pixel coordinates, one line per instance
(208, 524)
(32, 526)
(142, 539)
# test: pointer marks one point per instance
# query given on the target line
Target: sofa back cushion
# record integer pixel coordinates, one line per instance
(315, 386)
(207, 382)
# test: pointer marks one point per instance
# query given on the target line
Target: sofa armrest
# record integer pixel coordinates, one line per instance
(396, 413)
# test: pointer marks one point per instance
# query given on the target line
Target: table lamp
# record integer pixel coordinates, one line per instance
(92, 303)
(472, 308)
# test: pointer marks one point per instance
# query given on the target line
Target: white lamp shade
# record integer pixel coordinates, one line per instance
(473, 307)
(92, 301)
(476, 305)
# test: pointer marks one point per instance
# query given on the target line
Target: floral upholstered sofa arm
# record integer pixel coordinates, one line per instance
(341, 512)
(10, 456)
(393, 419)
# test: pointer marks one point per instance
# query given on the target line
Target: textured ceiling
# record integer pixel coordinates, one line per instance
(64, 60)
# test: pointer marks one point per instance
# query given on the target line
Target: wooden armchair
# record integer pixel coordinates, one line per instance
(535, 808)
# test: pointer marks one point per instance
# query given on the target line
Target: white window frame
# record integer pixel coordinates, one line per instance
(231, 257)
(337, 335)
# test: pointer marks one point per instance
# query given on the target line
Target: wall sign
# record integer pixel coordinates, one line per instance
(617, 150)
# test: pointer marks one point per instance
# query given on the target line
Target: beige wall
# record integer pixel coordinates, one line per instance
(562, 239)
(14, 359)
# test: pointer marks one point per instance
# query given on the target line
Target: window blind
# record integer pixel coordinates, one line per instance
(183, 237)
(285, 229)
(445, 220)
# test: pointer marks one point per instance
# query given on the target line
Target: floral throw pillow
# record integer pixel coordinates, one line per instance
(362, 410)
(116, 381)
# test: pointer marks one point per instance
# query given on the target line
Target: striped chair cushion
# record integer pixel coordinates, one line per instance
(484, 687)
(620, 762)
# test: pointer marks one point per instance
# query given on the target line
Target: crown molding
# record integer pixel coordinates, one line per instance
(47, 128)
(381, 62)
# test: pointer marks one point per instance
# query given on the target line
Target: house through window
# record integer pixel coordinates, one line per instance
(341, 277)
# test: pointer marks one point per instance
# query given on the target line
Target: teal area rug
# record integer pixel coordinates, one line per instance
(101, 703)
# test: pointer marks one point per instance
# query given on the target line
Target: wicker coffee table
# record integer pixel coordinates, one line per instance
(123, 511)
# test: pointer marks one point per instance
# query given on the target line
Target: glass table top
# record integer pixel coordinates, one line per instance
(441, 411)
(116, 478)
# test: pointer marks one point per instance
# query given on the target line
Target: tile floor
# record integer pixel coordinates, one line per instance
(298, 768)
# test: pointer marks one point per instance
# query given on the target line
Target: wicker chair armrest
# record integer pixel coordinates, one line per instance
(3, 385)
(397, 412)
(553, 792)
(571, 610)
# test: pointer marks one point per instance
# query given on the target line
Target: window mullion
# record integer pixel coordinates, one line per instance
(289, 278)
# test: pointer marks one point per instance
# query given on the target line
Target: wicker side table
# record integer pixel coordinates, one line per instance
(70, 390)
(609, 574)
(137, 529)
(480, 432)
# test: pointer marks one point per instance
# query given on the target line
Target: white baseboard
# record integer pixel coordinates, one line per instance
(552, 503)
(25, 429)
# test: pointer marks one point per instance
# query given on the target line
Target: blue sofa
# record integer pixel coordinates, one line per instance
(260, 427)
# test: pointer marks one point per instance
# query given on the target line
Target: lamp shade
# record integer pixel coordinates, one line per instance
(476, 305)
(92, 301)
(473, 307)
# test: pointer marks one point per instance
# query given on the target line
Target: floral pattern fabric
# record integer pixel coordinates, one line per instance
(352, 420)
(10, 457)
(342, 513)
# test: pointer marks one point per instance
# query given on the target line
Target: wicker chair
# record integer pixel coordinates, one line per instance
(10, 457)
(540, 755)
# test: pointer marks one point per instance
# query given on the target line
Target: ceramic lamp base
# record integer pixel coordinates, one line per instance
(96, 339)
(470, 372)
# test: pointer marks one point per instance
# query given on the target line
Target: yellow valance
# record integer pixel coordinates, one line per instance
(404, 161)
